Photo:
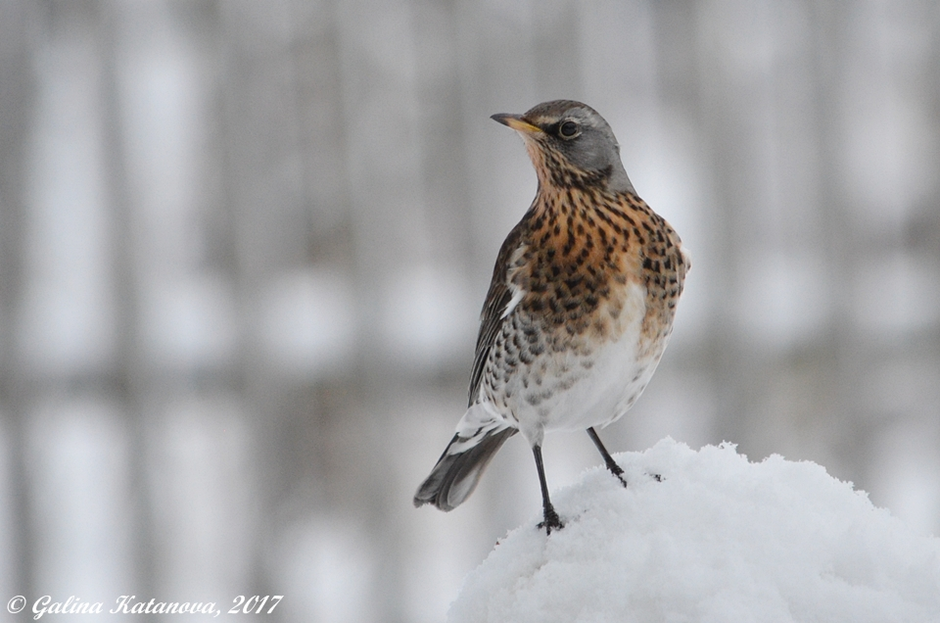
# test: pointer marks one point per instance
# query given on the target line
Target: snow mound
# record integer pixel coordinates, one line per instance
(718, 539)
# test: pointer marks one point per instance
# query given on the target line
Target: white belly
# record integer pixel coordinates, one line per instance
(575, 390)
(613, 384)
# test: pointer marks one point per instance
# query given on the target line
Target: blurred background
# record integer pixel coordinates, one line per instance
(244, 246)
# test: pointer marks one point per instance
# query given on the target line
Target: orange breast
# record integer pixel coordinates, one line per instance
(583, 250)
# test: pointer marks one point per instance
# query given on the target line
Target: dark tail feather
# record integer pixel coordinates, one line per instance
(456, 475)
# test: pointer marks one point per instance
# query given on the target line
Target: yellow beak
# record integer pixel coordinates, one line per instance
(517, 123)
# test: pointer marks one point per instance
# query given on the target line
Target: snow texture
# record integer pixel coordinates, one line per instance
(718, 539)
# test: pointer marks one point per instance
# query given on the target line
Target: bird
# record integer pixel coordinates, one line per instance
(579, 310)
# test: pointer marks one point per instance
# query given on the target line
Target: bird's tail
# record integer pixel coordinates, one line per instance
(458, 470)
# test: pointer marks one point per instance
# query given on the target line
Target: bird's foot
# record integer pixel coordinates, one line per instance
(617, 471)
(551, 521)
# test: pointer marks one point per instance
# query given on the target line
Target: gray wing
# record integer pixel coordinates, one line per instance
(497, 301)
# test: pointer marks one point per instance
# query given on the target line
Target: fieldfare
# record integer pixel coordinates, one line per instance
(579, 310)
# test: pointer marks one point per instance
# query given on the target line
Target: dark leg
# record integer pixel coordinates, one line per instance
(615, 469)
(550, 517)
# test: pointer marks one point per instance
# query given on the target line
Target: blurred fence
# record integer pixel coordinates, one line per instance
(243, 248)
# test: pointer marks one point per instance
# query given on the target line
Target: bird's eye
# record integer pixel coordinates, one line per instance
(568, 129)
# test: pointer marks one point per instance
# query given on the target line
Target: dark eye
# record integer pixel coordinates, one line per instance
(568, 129)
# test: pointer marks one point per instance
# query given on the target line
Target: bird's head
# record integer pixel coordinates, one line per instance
(570, 144)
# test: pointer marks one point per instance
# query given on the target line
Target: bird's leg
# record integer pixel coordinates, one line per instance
(550, 517)
(615, 469)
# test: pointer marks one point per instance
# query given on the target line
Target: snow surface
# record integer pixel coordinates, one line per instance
(718, 539)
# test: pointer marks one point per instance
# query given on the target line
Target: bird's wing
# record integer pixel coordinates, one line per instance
(500, 301)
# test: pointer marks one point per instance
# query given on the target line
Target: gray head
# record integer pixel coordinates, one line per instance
(568, 140)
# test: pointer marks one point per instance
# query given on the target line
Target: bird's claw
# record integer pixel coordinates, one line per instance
(617, 471)
(551, 521)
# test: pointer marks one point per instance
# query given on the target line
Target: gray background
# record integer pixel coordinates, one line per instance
(244, 245)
